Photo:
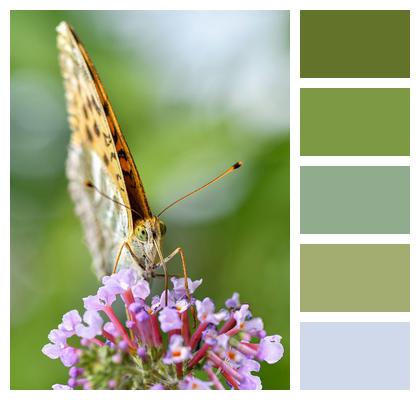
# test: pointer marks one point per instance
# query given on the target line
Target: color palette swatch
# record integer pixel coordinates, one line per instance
(350, 355)
(355, 277)
(354, 216)
(355, 122)
(355, 200)
(355, 44)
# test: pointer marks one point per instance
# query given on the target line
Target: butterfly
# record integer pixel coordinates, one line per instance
(121, 230)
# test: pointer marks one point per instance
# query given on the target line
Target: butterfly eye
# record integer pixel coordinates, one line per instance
(162, 227)
(142, 234)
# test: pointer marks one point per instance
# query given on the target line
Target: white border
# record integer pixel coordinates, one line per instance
(296, 161)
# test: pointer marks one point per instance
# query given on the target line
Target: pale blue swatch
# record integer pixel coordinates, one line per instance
(355, 355)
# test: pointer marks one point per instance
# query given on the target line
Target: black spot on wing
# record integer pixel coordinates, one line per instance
(96, 129)
(122, 154)
(89, 134)
(106, 160)
(107, 139)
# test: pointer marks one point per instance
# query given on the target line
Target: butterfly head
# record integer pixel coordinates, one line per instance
(146, 242)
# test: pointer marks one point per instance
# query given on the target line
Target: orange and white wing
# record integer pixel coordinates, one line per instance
(93, 156)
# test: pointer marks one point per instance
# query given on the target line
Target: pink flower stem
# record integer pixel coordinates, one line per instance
(213, 377)
(178, 367)
(157, 337)
(174, 332)
(108, 336)
(230, 379)
(97, 341)
(128, 297)
(196, 337)
(199, 355)
(233, 331)
(219, 363)
(246, 350)
(254, 346)
(228, 325)
(145, 331)
(108, 310)
(185, 328)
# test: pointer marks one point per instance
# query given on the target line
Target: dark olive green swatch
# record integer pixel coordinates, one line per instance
(354, 200)
(355, 44)
(355, 122)
(355, 277)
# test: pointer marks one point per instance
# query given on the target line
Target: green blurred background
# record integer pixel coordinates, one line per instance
(193, 92)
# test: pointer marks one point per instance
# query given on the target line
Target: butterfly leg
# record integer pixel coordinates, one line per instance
(135, 258)
(118, 257)
(179, 251)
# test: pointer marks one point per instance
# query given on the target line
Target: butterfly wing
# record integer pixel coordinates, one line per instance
(98, 154)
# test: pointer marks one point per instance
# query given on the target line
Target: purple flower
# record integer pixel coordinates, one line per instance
(233, 302)
(141, 352)
(182, 305)
(179, 286)
(241, 315)
(69, 356)
(205, 312)
(176, 352)
(192, 383)
(166, 300)
(57, 336)
(57, 346)
(169, 319)
(222, 342)
(58, 386)
(121, 281)
(253, 326)
(270, 349)
(234, 356)
(104, 297)
(158, 386)
(52, 351)
(155, 304)
(142, 316)
(249, 381)
(110, 328)
(141, 289)
(70, 322)
(219, 347)
(74, 372)
(94, 325)
(112, 384)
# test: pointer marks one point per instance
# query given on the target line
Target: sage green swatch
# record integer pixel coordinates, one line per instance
(355, 122)
(347, 200)
(355, 44)
(355, 277)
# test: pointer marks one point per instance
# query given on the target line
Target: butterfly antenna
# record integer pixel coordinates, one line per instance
(90, 185)
(222, 175)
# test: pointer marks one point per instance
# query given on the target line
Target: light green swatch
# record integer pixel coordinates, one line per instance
(355, 277)
(355, 200)
(355, 122)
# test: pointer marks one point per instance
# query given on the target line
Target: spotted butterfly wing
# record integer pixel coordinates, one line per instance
(99, 165)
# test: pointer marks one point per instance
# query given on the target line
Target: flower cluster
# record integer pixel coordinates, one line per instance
(175, 342)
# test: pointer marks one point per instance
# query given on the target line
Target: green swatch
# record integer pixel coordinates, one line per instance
(355, 44)
(355, 277)
(355, 200)
(355, 122)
